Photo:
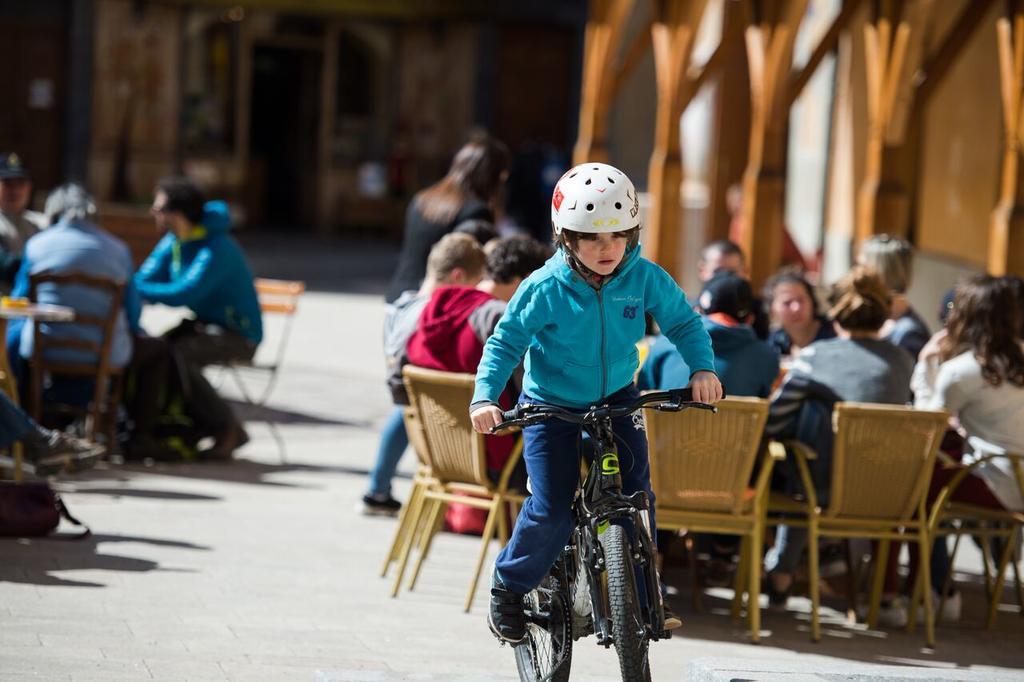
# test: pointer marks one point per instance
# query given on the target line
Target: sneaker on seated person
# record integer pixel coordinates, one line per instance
(380, 505)
(51, 452)
(225, 444)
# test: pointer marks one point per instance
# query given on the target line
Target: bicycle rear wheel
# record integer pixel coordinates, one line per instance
(546, 653)
(629, 631)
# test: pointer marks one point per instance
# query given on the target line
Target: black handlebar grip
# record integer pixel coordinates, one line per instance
(511, 415)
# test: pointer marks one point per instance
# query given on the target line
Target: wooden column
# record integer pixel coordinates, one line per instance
(1006, 229)
(600, 81)
(884, 52)
(328, 108)
(732, 118)
(769, 55)
(672, 34)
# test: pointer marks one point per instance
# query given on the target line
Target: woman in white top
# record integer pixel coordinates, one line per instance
(975, 370)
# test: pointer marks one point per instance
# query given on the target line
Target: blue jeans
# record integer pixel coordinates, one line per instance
(552, 454)
(15, 423)
(393, 441)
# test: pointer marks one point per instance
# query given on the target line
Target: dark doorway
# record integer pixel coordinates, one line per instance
(283, 137)
(33, 45)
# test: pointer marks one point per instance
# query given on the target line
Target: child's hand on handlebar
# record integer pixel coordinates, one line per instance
(706, 387)
(485, 418)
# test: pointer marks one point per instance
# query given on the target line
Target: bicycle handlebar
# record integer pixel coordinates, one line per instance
(673, 400)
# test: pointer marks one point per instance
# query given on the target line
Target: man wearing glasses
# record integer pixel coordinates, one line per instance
(197, 265)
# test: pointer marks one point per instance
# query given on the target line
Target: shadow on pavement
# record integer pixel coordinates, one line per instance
(148, 494)
(257, 413)
(20, 560)
(959, 645)
(239, 470)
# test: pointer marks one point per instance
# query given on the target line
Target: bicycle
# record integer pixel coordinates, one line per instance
(592, 587)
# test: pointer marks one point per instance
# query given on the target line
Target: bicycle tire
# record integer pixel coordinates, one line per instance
(630, 642)
(546, 653)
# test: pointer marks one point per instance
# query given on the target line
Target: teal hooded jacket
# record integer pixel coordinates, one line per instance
(207, 273)
(580, 343)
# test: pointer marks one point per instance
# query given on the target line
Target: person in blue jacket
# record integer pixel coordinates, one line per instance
(744, 363)
(199, 266)
(577, 320)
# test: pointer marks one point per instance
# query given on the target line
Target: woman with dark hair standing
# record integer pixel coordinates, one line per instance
(468, 192)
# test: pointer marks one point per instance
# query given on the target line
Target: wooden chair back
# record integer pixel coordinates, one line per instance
(701, 461)
(279, 295)
(452, 449)
(882, 459)
(100, 369)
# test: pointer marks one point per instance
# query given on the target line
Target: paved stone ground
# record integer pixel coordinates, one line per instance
(261, 569)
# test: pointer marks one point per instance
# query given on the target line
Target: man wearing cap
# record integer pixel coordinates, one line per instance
(17, 223)
(746, 365)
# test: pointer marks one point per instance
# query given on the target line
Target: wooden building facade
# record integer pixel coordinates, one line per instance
(910, 112)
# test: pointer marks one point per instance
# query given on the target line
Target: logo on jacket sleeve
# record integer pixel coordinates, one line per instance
(629, 312)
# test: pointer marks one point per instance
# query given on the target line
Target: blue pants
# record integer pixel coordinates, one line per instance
(15, 424)
(552, 451)
(393, 441)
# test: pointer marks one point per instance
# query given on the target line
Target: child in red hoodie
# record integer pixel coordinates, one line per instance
(452, 330)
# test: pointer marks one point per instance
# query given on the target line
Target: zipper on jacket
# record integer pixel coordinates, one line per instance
(604, 378)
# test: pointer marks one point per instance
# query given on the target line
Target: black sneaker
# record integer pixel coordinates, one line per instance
(56, 452)
(505, 617)
(777, 599)
(375, 505)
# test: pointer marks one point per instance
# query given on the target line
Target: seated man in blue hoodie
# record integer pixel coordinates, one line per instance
(197, 265)
(744, 363)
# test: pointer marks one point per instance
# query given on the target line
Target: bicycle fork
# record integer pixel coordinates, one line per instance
(590, 578)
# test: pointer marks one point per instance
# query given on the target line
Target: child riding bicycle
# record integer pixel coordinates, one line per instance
(577, 320)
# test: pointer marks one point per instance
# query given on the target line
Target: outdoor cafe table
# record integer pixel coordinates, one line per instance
(40, 312)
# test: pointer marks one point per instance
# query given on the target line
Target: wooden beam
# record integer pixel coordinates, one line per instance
(634, 55)
(601, 43)
(884, 49)
(1006, 227)
(695, 79)
(769, 55)
(673, 31)
(798, 80)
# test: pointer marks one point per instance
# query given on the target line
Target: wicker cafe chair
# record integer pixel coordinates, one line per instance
(422, 479)
(957, 518)
(458, 464)
(701, 464)
(882, 462)
(101, 412)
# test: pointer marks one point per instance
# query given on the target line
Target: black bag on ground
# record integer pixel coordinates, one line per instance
(32, 510)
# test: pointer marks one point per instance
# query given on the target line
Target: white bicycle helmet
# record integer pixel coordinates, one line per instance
(594, 197)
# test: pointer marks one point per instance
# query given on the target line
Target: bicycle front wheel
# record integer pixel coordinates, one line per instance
(546, 653)
(627, 626)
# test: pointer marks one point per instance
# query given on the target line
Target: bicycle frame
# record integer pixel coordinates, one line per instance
(599, 501)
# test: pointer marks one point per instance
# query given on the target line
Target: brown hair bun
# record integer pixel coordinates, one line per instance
(860, 301)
